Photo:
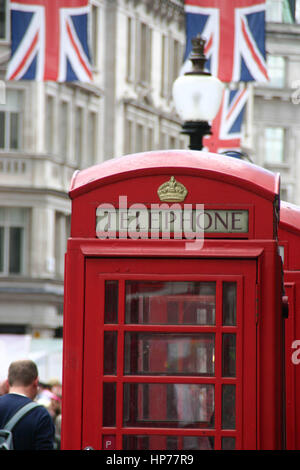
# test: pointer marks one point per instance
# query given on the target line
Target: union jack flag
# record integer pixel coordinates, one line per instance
(234, 31)
(49, 40)
(227, 126)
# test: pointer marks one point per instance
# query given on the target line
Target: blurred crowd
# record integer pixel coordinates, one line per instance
(49, 395)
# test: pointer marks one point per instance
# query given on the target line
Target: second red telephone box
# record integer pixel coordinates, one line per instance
(173, 322)
(289, 237)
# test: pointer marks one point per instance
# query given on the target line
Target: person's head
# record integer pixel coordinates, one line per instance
(23, 377)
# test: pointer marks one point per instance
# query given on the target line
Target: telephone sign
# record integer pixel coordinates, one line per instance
(167, 222)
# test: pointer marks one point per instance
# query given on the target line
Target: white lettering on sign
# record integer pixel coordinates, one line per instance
(296, 354)
(167, 221)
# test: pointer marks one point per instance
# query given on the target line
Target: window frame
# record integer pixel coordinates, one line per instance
(8, 109)
(6, 38)
(273, 82)
(7, 225)
(270, 142)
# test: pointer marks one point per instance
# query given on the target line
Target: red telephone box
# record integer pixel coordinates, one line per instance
(289, 236)
(173, 324)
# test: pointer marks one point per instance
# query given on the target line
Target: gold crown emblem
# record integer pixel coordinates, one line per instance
(172, 191)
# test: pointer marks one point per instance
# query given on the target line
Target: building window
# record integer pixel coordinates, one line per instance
(276, 71)
(274, 145)
(11, 120)
(170, 64)
(150, 139)
(139, 145)
(129, 57)
(177, 59)
(95, 34)
(92, 137)
(64, 129)
(13, 223)
(170, 137)
(164, 66)
(62, 232)
(138, 52)
(173, 142)
(281, 11)
(78, 135)
(297, 12)
(49, 123)
(145, 42)
(3, 19)
(283, 195)
(128, 137)
(139, 135)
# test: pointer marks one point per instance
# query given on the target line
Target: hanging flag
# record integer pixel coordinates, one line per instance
(234, 31)
(227, 126)
(49, 41)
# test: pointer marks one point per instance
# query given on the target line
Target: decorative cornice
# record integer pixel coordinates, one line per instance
(169, 10)
(160, 113)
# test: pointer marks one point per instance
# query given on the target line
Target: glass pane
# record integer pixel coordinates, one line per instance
(63, 128)
(14, 131)
(157, 442)
(228, 406)
(3, 6)
(13, 100)
(49, 123)
(169, 354)
(274, 144)
(109, 404)
(229, 355)
(110, 352)
(15, 249)
(228, 443)
(2, 130)
(16, 216)
(159, 302)
(229, 303)
(92, 132)
(179, 405)
(1, 249)
(111, 302)
(78, 134)
(276, 71)
(198, 443)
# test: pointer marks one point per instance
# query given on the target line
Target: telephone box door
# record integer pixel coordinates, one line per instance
(170, 354)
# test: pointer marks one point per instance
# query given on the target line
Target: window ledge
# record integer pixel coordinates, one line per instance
(275, 165)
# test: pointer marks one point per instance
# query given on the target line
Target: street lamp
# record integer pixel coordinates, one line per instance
(197, 96)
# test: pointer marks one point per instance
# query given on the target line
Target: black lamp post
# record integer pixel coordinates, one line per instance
(197, 97)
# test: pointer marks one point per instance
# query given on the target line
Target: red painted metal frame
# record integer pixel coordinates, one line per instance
(217, 182)
(244, 437)
(289, 237)
(268, 367)
(290, 376)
